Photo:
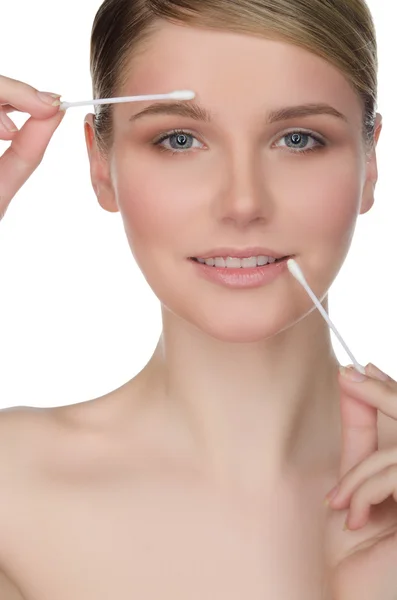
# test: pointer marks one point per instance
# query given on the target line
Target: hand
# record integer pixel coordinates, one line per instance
(367, 567)
(29, 144)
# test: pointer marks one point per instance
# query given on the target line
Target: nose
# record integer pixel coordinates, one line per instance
(245, 196)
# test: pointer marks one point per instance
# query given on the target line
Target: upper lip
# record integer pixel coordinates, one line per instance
(243, 253)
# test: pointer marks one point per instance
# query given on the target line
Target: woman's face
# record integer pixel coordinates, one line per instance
(236, 180)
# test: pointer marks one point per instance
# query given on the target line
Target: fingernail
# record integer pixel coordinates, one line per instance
(377, 373)
(331, 495)
(351, 373)
(345, 526)
(49, 98)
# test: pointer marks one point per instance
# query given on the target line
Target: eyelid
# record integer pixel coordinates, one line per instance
(303, 130)
(175, 131)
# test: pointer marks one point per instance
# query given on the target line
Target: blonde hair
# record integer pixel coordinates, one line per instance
(340, 31)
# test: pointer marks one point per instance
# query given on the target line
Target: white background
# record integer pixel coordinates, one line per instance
(77, 318)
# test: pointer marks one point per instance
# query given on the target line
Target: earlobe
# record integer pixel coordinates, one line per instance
(368, 196)
(378, 127)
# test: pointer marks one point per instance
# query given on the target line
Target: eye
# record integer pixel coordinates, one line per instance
(179, 140)
(299, 139)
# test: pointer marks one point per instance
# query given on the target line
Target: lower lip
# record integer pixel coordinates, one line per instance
(243, 278)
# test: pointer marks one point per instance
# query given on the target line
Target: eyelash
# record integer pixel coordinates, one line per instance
(169, 134)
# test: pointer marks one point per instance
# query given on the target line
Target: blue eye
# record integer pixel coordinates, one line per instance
(179, 140)
(299, 137)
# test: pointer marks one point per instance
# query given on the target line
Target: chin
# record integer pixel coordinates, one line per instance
(242, 333)
(234, 316)
(249, 325)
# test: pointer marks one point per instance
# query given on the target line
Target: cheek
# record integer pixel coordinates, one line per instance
(323, 218)
(158, 224)
(324, 208)
(155, 211)
(314, 202)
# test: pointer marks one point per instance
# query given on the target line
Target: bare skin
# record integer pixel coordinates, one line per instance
(93, 508)
(189, 481)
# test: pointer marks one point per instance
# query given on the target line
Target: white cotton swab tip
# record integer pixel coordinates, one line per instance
(182, 95)
(296, 271)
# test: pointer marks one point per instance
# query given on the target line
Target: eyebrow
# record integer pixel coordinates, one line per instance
(198, 113)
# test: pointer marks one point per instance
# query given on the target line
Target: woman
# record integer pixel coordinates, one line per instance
(203, 476)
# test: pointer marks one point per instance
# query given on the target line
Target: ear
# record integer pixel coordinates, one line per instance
(368, 197)
(99, 169)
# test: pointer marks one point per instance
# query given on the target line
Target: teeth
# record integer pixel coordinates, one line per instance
(236, 263)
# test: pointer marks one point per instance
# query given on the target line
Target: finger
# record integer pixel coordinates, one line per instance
(381, 395)
(7, 108)
(360, 402)
(373, 491)
(23, 97)
(359, 432)
(24, 155)
(376, 373)
(355, 478)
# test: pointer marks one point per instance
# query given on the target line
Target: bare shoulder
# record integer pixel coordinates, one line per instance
(21, 433)
(32, 439)
(33, 443)
(41, 446)
(19, 426)
(36, 443)
(8, 590)
(30, 433)
(42, 449)
(22, 438)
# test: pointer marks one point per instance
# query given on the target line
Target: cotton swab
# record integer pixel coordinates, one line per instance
(296, 271)
(177, 95)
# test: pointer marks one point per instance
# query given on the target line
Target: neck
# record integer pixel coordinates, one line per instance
(252, 410)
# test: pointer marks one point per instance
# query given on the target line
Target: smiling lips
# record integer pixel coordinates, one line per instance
(236, 263)
(244, 253)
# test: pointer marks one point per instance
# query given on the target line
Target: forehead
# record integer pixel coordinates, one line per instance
(233, 68)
